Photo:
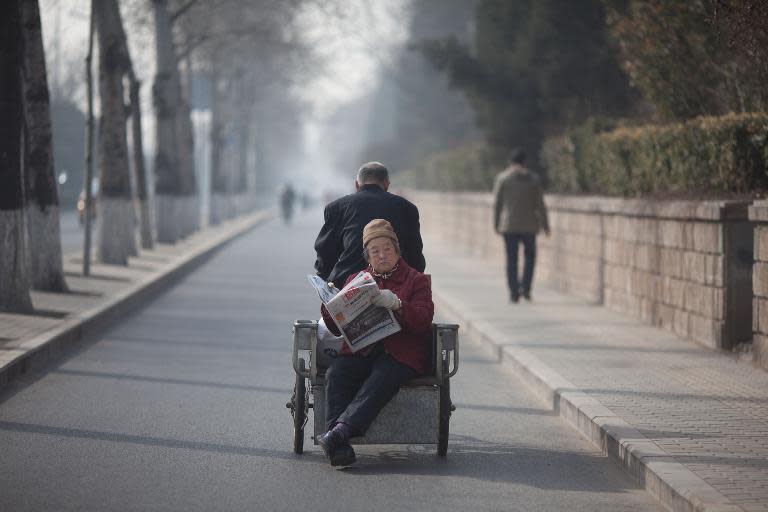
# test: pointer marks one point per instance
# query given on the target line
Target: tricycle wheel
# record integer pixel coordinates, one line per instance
(299, 409)
(445, 417)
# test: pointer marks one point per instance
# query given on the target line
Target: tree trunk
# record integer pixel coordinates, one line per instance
(116, 212)
(187, 153)
(14, 276)
(138, 164)
(259, 161)
(89, 125)
(42, 199)
(187, 168)
(244, 149)
(188, 135)
(254, 161)
(167, 99)
(218, 173)
(244, 159)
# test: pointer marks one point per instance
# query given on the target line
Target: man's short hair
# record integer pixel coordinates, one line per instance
(372, 172)
(516, 156)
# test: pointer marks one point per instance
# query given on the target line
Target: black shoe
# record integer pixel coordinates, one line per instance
(514, 298)
(329, 442)
(526, 295)
(344, 456)
(336, 448)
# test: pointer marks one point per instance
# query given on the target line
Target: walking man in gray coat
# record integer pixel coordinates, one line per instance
(519, 214)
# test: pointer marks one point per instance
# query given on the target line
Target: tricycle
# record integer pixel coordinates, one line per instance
(418, 414)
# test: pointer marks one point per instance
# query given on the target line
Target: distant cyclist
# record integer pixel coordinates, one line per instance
(287, 198)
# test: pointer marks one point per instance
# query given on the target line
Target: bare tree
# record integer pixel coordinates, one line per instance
(138, 164)
(221, 150)
(116, 210)
(14, 276)
(42, 199)
(89, 126)
(219, 188)
(185, 131)
(167, 99)
(177, 201)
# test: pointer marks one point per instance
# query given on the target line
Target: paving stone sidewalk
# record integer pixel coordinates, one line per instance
(695, 419)
(111, 291)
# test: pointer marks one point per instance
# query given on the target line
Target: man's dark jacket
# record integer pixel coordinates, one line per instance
(339, 245)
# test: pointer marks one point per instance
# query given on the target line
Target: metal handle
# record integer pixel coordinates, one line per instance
(304, 338)
(447, 345)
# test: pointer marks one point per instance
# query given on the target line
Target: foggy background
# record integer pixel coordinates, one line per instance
(353, 89)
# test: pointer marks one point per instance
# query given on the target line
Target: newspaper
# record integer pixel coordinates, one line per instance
(361, 322)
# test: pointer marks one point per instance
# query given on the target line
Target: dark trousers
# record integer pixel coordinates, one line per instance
(359, 387)
(512, 242)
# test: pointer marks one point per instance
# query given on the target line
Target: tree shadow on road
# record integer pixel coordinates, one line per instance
(162, 442)
(470, 457)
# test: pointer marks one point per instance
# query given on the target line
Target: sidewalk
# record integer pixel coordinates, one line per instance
(111, 291)
(688, 423)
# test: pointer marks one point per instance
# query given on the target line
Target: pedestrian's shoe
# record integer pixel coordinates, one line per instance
(514, 298)
(336, 448)
(526, 294)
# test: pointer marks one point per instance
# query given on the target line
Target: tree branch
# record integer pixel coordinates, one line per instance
(181, 10)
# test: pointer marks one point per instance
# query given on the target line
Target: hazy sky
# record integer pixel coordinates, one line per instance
(354, 44)
(65, 36)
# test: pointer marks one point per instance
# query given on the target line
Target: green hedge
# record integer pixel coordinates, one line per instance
(467, 167)
(706, 155)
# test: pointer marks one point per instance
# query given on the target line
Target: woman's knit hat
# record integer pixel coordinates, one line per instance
(377, 228)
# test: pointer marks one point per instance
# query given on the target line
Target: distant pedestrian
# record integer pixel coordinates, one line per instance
(339, 246)
(519, 214)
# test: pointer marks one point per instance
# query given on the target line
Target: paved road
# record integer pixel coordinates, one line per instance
(181, 407)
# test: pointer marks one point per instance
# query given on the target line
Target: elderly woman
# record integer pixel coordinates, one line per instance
(359, 385)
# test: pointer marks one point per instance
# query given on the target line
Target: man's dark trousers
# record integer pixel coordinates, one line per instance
(512, 242)
(359, 387)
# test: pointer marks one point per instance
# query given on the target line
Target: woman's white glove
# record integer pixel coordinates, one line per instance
(386, 299)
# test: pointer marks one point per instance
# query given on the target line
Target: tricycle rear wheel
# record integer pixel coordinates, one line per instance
(445, 414)
(299, 409)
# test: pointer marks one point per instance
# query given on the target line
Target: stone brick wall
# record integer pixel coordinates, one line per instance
(685, 266)
(571, 258)
(666, 263)
(464, 219)
(758, 213)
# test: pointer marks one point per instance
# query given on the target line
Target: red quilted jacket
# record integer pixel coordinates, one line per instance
(412, 345)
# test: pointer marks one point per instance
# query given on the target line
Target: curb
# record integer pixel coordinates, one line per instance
(669, 481)
(35, 353)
